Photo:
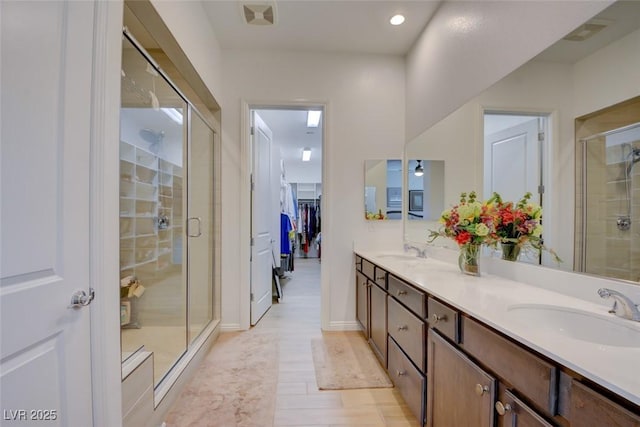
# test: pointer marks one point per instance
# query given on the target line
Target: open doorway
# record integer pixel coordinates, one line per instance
(514, 151)
(286, 205)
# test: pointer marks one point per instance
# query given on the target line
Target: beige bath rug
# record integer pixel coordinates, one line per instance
(343, 360)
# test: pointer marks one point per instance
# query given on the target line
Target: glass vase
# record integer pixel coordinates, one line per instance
(510, 251)
(469, 259)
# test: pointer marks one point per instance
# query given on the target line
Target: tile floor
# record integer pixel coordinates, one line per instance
(298, 402)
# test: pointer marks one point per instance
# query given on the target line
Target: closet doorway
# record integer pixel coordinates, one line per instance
(286, 202)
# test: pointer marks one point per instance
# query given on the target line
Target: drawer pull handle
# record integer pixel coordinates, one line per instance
(481, 389)
(403, 327)
(400, 293)
(437, 319)
(379, 278)
(401, 373)
(502, 408)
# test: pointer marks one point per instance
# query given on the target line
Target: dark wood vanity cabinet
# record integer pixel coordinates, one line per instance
(459, 392)
(362, 304)
(371, 306)
(453, 370)
(378, 323)
(590, 408)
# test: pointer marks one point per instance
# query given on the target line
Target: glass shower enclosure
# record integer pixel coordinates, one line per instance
(166, 215)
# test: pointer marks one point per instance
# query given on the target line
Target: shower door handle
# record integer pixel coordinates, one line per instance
(189, 221)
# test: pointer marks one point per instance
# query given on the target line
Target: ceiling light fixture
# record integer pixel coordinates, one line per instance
(419, 171)
(306, 154)
(313, 119)
(173, 114)
(396, 20)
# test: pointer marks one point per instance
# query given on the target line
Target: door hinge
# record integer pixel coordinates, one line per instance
(541, 189)
(252, 241)
(252, 298)
(253, 184)
(540, 136)
(252, 131)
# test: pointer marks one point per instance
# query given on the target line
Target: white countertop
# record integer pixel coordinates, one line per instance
(488, 299)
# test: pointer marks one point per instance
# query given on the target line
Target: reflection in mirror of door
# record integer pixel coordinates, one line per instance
(383, 189)
(425, 181)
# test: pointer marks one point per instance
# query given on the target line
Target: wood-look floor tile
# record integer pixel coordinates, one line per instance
(292, 388)
(304, 401)
(339, 416)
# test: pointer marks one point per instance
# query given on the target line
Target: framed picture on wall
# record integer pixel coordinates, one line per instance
(415, 200)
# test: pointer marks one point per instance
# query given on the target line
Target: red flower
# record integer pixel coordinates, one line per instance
(463, 238)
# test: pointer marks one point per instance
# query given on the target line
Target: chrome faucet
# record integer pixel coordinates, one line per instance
(421, 253)
(622, 306)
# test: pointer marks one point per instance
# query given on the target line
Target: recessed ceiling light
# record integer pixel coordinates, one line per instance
(313, 118)
(396, 20)
(306, 154)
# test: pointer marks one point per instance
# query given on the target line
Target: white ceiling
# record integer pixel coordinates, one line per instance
(323, 25)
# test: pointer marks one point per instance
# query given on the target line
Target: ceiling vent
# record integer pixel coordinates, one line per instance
(587, 30)
(259, 14)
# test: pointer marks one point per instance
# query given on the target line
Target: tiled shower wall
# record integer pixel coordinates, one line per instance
(610, 251)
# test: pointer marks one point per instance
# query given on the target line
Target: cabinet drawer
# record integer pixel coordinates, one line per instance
(512, 412)
(380, 277)
(408, 331)
(526, 372)
(358, 263)
(409, 296)
(444, 319)
(368, 269)
(410, 382)
(589, 408)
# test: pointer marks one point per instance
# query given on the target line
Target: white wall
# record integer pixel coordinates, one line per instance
(467, 46)
(364, 95)
(609, 76)
(191, 28)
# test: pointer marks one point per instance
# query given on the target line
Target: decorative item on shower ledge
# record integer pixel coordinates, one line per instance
(471, 224)
(130, 291)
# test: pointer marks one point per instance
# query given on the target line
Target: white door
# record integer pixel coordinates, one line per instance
(512, 165)
(46, 57)
(261, 257)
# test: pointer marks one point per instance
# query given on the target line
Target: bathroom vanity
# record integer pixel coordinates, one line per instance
(485, 351)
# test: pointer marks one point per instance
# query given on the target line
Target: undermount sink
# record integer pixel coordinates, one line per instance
(578, 324)
(399, 257)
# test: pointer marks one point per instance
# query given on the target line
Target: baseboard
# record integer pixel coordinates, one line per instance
(230, 327)
(338, 325)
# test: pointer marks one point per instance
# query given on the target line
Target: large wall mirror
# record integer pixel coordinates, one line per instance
(587, 72)
(383, 189)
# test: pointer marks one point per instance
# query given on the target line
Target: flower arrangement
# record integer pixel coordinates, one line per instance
(518, 224)
(373, 215)
(469, 222)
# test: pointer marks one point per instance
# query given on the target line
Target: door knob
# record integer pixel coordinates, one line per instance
(81, 298)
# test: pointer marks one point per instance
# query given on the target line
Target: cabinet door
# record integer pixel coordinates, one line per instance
(591, 408)
(459, 393)
(378, 323)
(512, 412)
(362, 309)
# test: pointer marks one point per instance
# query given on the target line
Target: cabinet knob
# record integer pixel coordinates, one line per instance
(401, 373)
(402, 327)
(436, 318)
(502, 408)
(400, 293)
(481, 389)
